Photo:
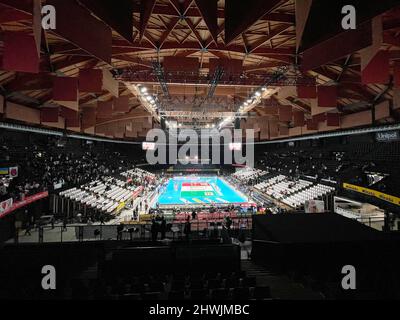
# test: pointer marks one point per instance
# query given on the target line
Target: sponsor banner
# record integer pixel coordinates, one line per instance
(314, 206)
(6, 205)
(120, 207)
(57, 186)
(387, 136)
(373, 193)
(23, 203)
(13, 172)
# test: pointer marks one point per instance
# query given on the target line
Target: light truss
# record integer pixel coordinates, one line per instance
(159, 73)
(196, 114)
(203, 78)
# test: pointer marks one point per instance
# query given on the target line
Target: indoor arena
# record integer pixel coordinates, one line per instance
(199, 150)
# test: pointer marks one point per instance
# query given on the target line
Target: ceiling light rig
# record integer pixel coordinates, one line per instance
(150, 102)
(263, 92)
(253, 101)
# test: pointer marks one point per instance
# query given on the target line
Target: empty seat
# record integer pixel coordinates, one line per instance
(201, 294)
(176, 295)
(130, 296)
(156, 286)
(220, 294)
(262, 293)
(249, 282)
(214, 283)
(231, 283)
(194, 285)
(240, 294)
(151, 296)
(178, 285)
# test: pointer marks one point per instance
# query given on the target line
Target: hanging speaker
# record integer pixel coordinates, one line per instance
(237, 123)
(163, 126)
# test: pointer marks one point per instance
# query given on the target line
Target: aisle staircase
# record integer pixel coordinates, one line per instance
(281, 286)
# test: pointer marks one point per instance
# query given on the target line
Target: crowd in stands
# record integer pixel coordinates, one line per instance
(50, 166)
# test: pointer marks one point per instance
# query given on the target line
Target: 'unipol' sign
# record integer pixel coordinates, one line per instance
(387, 136)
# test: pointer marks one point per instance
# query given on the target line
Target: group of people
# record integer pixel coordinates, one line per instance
(158, 225)
(49, 168)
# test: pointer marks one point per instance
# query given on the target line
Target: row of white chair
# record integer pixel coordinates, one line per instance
(313, 193)
(247, 174)
(269, 182)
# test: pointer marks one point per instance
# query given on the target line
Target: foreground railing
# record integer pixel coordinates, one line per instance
(241, 228)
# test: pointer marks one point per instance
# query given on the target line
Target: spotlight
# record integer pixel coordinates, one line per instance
(143, 90)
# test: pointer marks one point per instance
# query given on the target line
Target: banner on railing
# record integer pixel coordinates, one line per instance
(388, 136)
(136, 193)
(23, 203)
(373, 193)
(120, 207)
(314, 206)
(12, 172)
(6, 205)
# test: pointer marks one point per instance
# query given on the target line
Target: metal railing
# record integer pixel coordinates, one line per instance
(175, 231)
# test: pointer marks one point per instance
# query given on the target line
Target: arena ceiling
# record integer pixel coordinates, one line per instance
(117, 69)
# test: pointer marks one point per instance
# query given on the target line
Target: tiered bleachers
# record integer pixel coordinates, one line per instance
(315, 192)
(293, 193)
(262, 186)
(247, 174)
(106, 195)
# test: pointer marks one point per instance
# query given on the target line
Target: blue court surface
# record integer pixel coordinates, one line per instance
(199, 190)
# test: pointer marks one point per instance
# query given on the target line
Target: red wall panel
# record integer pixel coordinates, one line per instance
(20, 53)
(311, 125)
(396, 73)
(306, 92)
(333, 119)
(285, 113)
(68, 113)
(172, 64)
(121, 104)
(327, 96)
(104, 109)
(377, 70)
(49, 114)
(298, 118)
(65, 89)
(88, 118)
(90, 80)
